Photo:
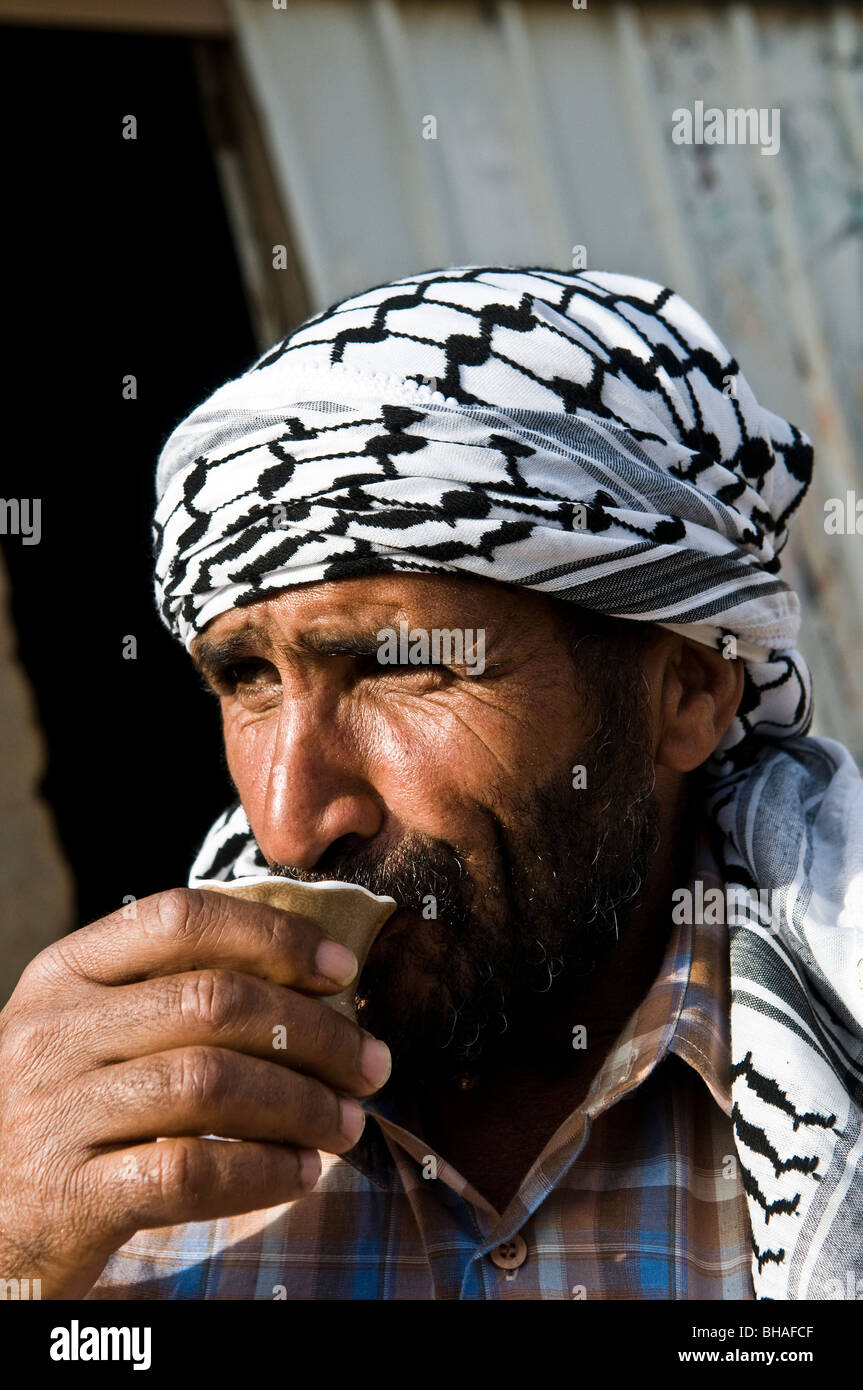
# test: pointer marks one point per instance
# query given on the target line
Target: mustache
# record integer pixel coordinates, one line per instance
(418, 872)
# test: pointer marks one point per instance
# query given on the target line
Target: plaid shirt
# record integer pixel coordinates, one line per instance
(636, 1195)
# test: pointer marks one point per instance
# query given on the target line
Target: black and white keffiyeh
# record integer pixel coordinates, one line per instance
(588, 436)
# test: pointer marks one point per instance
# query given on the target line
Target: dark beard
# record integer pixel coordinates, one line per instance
(570, 867)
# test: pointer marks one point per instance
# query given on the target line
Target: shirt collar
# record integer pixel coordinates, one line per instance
(703, 1033)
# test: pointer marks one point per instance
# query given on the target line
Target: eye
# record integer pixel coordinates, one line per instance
(248, 672)
(242, 675)
(417, 676)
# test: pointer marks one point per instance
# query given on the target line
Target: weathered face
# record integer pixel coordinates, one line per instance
(504, 799)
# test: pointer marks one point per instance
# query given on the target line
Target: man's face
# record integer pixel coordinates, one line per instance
(457, 789)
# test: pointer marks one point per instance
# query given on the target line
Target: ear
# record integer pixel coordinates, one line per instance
(696, 693)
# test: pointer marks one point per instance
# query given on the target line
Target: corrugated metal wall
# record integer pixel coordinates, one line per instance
(552, 129)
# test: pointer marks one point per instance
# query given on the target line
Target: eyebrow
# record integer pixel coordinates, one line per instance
(211, 658)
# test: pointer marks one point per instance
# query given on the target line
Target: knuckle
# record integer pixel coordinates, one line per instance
(176, 913)
(27, 1039)
(288, 932)
(209, 998)
(55, 963)
(200, 1076)
(174, 1169)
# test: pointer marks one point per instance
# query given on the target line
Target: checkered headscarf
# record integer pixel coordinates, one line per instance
(583, 434)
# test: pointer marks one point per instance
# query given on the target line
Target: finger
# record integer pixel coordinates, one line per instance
(224, 1008)
(188, 928)
(173, 1181)
(210, 1090)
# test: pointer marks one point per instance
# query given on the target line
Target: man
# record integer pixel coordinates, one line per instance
(483, 569)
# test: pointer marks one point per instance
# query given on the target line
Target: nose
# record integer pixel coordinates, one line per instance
(312, 786)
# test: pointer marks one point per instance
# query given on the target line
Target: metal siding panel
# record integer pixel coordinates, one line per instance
(465, 68)
(329, 108)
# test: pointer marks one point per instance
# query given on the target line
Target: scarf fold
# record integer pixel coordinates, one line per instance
(588, 436)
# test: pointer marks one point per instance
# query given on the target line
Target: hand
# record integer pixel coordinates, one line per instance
(126, 1041)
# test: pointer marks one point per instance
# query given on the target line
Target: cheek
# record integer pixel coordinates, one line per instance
(425, 756)
(462, 745)
(250, 744)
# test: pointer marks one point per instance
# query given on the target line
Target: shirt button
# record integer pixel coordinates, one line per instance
(510, 1254)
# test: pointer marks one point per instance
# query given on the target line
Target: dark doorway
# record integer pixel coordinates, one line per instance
(117, 261)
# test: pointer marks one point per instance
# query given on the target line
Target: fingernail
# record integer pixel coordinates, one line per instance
(353, 1120)
(336, 962)
(375, 1061)
(310, 1167)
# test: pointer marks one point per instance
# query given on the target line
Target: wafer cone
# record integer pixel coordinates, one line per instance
(346, 912)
